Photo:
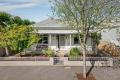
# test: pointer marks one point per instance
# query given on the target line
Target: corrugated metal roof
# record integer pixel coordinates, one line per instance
(49, 23)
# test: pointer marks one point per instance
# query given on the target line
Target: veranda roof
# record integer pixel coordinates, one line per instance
(57, 31)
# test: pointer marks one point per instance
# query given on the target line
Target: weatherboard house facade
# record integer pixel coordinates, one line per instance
(57, 36)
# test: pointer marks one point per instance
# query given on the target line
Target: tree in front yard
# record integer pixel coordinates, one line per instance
(18, 38)
(86, 16)
(5, 19)
(16, 33)
(4, 39)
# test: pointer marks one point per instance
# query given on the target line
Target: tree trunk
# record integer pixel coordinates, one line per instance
(84, 61)
(83, 45)
(96, 49)
(6, 50)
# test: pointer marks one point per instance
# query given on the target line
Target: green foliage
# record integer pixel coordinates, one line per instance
(48, 52)
(16, 32)
(74, 52)
(18, 38)
(17, 20)
(27, 22)
(5, 19)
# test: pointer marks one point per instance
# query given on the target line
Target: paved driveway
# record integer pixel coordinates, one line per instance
(54, 73)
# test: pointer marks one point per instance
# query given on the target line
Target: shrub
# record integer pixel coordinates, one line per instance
(74, 52)
(48, 52)
(35, 53)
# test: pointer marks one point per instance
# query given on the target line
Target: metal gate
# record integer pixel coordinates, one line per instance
(58, 60)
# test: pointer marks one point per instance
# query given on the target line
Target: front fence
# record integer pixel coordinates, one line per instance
(62, 61)
(26, 61)
(24, 58)
(116, 62)
(90, 61)
(88, 58)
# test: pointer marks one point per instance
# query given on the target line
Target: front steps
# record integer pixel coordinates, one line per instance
(61, 53)
(59, 59)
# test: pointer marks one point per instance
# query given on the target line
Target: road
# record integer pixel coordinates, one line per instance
(54, 73)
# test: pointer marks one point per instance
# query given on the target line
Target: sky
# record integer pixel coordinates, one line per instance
(35, 10)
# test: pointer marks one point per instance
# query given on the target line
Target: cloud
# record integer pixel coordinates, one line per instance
(11, 5)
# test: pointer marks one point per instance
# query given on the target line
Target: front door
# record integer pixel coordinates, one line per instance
(61, 41)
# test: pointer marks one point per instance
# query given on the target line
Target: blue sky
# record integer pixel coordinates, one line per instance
(35, 10)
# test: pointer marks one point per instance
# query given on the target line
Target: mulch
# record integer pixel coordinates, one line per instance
(80, 77)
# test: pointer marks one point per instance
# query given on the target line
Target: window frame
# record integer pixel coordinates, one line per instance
(43, 40)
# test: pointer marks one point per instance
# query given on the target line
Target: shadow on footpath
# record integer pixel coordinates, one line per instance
(91, 68)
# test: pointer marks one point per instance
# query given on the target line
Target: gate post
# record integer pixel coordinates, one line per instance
(65, 61)
(51, 61)
(110, 62)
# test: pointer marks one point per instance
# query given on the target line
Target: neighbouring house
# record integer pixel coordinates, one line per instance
(58, 36)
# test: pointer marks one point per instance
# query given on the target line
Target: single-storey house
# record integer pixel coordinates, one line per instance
(58, 36)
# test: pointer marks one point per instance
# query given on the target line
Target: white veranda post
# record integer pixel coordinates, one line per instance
(50, 38)
(70, 40)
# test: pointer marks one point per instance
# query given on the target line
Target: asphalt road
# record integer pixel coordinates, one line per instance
(54, 73)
